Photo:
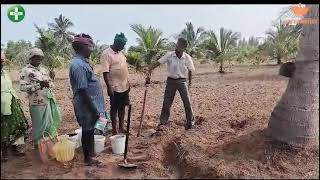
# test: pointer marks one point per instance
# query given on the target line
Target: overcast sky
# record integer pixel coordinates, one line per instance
(102, 22)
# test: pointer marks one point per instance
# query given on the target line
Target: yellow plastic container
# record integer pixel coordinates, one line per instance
(64, 149)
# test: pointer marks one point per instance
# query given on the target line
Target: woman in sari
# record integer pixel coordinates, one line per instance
(13, 122)
(45, 113)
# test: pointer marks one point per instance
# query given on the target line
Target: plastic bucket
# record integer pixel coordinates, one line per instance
(75, 140)
(118, 143)
(79, 135)
(99, 142)
(19, 141)
(78, 131)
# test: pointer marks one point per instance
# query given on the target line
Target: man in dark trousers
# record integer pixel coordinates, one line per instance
(88, 100)
(179, 67)
(116, 77)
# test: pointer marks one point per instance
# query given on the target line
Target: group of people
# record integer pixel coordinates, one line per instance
(88, 99)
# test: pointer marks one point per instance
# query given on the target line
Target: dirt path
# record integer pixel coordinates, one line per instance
(227, 142)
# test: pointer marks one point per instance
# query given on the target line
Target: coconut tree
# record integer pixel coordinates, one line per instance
(219, 45)
(194, 38)
(150, 42)
(61, 28)
(136, 49)
(97, 51)
(282, 41)
(248, 51)
(295, 119)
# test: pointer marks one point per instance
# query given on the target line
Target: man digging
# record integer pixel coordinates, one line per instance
(179, 67)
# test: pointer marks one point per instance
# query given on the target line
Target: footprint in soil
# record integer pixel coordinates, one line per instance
(90, 174)
(199, 120)
(238, 125)
(157, 82)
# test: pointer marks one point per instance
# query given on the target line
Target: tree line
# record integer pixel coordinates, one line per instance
(280, 44)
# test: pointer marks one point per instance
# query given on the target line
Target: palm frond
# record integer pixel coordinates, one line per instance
(150, 40)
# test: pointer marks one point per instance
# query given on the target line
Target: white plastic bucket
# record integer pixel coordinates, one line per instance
(19, 141)
(78, 130)
(79, 135)
(118, 143)
(99, 142)
(75, 140)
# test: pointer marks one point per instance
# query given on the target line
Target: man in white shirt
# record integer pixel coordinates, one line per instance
(180, 68)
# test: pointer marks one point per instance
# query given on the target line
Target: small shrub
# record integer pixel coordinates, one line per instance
(135, 59)
(204, 61)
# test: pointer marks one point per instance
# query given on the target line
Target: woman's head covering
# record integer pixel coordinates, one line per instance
(83, 39)
(36, 52)
(120, 39)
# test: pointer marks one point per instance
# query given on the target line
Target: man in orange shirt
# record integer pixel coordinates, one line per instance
(115, 74)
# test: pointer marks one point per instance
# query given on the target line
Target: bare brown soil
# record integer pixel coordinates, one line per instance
(228, 141)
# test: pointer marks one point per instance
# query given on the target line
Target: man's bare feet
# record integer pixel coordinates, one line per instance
(92, 162)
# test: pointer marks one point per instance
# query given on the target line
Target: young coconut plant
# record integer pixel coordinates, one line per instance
(151, 47)
(219, 45)
(194, 37)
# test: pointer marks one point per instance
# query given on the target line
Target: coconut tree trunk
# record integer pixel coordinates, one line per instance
(295, 119)
(191, 53)
(221, 66)
(279, 60)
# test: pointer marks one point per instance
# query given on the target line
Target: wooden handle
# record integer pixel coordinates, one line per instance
(142, 113)
(127, 135)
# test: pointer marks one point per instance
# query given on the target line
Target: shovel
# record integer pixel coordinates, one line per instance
(125, 164)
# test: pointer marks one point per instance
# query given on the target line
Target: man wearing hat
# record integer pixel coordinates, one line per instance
(37, 83)
(115, 74)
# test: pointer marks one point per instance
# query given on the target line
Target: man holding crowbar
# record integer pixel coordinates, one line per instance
(180, 67)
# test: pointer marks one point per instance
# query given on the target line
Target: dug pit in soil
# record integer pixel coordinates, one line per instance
(171, 158)
(175, 160)
(238, 125)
